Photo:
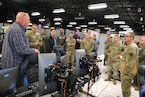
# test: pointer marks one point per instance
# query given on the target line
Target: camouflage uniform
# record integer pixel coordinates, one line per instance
(130, 57)
(70, 50)
(88, 45)
(106, 52)
(107, 44)
(33, 38)
(43, 46)
(114, 63)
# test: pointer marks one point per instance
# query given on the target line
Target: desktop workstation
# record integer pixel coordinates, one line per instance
(51, 74)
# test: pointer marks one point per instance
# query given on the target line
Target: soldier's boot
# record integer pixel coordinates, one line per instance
(107, 79)
(114, 82)
(137, 88)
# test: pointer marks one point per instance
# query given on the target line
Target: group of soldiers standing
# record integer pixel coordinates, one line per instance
(61, 44)
(124, 59)
(115, 53)
(37, 40)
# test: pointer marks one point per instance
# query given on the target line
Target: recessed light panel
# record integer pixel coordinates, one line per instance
(35, 13)
(119, 22)
(61, 10)
(97, 6)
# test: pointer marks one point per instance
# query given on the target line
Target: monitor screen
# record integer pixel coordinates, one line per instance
(8, 79)
(44, 60)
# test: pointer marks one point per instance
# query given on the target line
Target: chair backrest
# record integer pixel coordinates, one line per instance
(8, 79)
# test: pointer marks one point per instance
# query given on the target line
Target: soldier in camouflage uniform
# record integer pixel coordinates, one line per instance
(87, 43)
(34, 38)
(130, 59)
(70, 49)
(43, 37)
(107, 43)
(114, 49)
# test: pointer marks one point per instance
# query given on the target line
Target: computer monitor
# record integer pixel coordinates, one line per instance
(8, 79)
(80, 71)
(44, 60)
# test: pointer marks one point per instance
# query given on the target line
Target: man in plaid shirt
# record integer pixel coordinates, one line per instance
(15, 45)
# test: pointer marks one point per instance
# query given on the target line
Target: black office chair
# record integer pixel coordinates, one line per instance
(29, 70)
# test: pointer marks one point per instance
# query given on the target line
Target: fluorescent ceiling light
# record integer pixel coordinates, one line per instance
(113, 16)
(45, 26)
(72, 23)
(57, 19)
(78, 27)
(83, 26)
(124, 26)
(57, 23)
(30, 24)
(41, 20)
(9, 21)
(119, 22)
(92, 23)
(127, 29)
(130, 30)
(123, 32)
(141, 18)
(1, 4)
(142, 26)
(112, 30)
(61, 10)
(139, 9)
(35, 13)
(107, 28)
(101, 25)
(97, 6)
(69, 26)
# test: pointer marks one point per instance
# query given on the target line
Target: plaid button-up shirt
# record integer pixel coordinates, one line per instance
(15, 46)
